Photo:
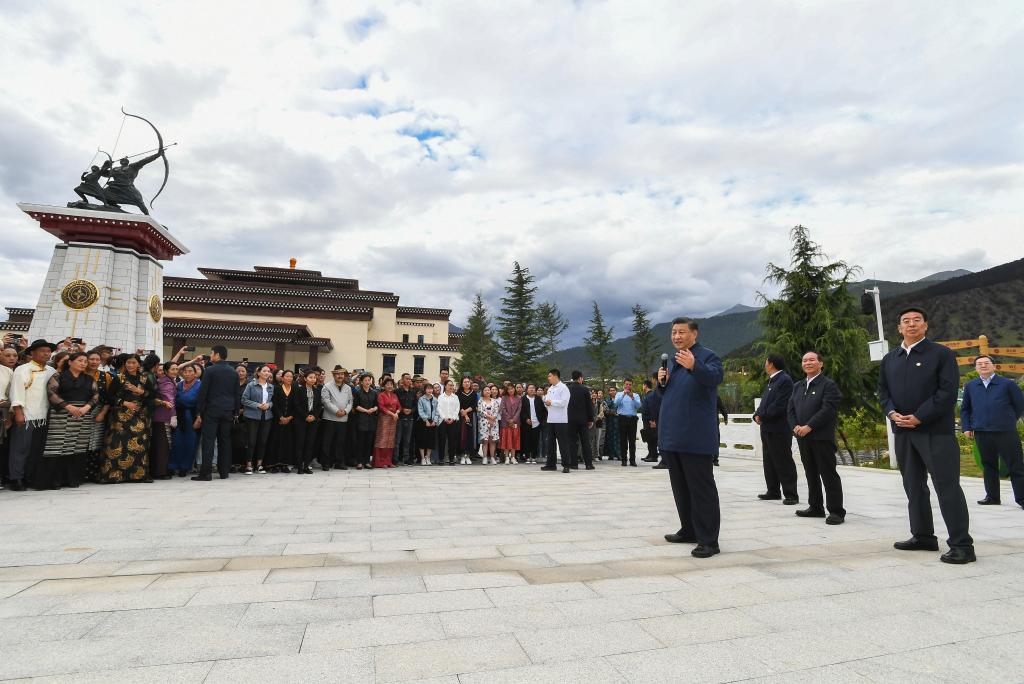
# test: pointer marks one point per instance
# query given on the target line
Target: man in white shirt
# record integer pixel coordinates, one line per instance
(31, 407)
(557, 402)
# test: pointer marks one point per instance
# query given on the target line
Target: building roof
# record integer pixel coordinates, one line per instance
(274, 290)
(243, 331)
(415, 346)
(284, 276)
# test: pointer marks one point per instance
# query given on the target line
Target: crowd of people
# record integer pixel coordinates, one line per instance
(75, 414)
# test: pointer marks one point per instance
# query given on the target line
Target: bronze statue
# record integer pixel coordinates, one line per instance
(90, 185)
(121, 187)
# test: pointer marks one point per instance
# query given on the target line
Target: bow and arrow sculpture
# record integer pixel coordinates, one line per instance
(120, 188)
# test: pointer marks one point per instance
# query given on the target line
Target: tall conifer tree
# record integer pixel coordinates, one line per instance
(598, 344)
(519, 347)
(477, 349)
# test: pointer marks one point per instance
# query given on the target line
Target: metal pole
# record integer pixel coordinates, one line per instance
(890, 437)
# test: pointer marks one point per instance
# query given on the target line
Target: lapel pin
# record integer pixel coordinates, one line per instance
(918, 364)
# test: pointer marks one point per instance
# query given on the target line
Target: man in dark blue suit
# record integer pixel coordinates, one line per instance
(688, 437)
(917, 387)
(989, 412)
(776, 438)
(217, 409)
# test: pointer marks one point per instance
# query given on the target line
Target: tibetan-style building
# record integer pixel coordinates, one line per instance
(294, 317)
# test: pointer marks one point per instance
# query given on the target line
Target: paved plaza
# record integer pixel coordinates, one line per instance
(493, 574)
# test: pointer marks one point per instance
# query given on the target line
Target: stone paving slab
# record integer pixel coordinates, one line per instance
(488, 574)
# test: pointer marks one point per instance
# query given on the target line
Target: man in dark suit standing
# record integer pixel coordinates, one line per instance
(581, 419)
(917, 387)
(776, 438)
(812, 417)
(688, 437)
(216, 407)
(991, 407)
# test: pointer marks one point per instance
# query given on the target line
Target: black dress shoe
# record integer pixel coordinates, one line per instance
(590, 467)
(202, 478)
(660, 466)
(789, 501)
(650, 459)
(548, 468)
(676, 538)
(989, 501)
(959, 556)
(17, 486)
(309, 471)
(223, 476)
(325, 468)
(769, 497)
(565, 470)
(834, 519)
(915, 544)
(810, 513)
(705, 550)
(632, 463)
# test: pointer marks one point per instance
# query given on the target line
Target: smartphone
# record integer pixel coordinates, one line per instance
(76, 340)
(190, 349)
(245, 359)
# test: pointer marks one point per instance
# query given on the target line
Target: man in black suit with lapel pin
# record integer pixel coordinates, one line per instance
(917, 387)
(581, 419)
(776, 438)
(812, 417)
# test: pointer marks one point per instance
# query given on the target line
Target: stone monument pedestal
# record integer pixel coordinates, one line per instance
(105, 282)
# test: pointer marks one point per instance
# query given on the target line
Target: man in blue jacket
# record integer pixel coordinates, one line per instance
(917, 386)
(989, 412)
(688, 437)
(217, 409)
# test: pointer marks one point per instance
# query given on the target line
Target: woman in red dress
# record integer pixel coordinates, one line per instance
(384, 443)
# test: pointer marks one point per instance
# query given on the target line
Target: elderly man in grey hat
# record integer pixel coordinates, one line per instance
(337, 400)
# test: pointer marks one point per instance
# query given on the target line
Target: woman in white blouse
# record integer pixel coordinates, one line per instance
(449, 430)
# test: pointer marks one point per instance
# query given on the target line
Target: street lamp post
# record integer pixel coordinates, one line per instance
(877, 349)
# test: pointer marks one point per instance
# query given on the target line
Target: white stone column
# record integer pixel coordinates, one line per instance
(123, 283)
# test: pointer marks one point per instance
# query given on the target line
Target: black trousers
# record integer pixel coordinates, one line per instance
(652, 443)
(779, 466)
(696, 494)
(404, 439)
(920, 454)
(216, 432)
(364, 447)
(627, 437)
(304, 435)
(579, 442)
(449, 437)
(332, 445)
(530, 440)
(257, 433)
(992, 445)
(819, 459)
(560, 435)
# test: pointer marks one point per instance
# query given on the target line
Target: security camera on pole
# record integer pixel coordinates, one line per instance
(870, 302)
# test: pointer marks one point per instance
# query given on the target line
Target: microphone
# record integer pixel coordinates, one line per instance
(664, 361)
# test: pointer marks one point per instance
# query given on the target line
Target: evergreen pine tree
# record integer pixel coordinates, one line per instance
(519, 347)
(598, 345)
(645, 348)
(477, 349)
(815, 311)
(551, 324)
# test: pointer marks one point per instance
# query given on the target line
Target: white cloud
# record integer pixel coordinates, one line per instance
(653, 152)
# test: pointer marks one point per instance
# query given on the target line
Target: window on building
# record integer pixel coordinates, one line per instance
(417, 364)
(405, 338)
(419, 339)
(444, 362)
(389, 364)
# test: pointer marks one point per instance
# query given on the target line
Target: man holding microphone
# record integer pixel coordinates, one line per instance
(688, 436)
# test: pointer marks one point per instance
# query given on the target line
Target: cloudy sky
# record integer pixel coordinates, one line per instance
(624, 151)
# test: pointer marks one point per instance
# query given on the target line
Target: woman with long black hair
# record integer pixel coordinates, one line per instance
(282, 450)
(468, 439)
